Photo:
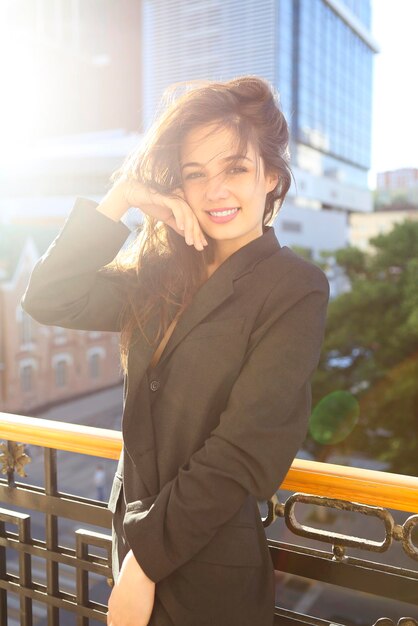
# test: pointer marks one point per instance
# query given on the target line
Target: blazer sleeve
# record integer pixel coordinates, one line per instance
(256, 440)
(69, 285)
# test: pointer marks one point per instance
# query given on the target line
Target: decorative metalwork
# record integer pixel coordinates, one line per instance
(66, 578)
(337, 567)
(403, 533)
(13, 458)
(28, 590)
(339, 542)
(70, 574)
(404, 621)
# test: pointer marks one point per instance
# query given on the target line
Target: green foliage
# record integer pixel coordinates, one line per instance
(352, 260)
(303, 252)
(378, 320)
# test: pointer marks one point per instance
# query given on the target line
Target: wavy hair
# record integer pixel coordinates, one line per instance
(161, 269)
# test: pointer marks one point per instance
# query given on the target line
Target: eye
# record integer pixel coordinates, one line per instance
(238, 170)
(232, 170)
(193, 175)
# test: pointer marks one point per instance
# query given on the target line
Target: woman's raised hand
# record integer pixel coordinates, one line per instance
(171, 209)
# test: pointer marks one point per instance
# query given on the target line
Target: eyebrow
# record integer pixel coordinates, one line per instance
(228, 158)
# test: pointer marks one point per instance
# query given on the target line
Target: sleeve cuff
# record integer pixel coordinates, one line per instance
(84, 207)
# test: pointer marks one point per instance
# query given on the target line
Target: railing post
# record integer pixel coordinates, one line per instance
(82, 580)
(25, 571)
(51, 530)
(3, 592)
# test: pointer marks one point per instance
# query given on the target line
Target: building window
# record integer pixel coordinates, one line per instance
(26, 378)
(94, 365)
(26, 328)
(291, 227)
(61, 373)
(60, 335)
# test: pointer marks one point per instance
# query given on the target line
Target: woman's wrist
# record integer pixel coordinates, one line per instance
(113, 204)
(121, 197)
(131, 565)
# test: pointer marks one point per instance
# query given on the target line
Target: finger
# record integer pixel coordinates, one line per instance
(189, 227)
(202, 235)
(197, 235)
(177, 214)
(188, 223)
(171, 221)
(193, 236)
(184, 216)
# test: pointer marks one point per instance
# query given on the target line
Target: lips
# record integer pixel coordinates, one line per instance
(220, 216)
(221, 212)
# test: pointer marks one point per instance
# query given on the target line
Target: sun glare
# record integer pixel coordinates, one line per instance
(19, 97)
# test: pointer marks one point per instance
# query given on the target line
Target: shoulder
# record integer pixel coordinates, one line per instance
(288, 272)
(286, 284)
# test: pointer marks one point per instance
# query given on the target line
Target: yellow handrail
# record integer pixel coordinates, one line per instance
(102, 442)
(373, 487)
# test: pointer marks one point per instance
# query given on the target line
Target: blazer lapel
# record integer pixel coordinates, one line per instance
(209, 296)
(218, 288)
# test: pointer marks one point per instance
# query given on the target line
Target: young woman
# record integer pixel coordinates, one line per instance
(221, 330)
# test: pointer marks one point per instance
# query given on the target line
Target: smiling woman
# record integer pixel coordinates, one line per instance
(221, 194)
(224, 149)
(221, 330)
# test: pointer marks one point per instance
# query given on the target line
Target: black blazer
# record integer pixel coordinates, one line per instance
(215, 426)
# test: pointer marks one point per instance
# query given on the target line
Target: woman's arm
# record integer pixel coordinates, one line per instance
(258, 436)
(69, 285)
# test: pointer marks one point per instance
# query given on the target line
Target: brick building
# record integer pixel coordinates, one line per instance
(397, 188)
(41, 365)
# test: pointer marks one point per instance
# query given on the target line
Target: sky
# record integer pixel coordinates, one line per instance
(395, 90)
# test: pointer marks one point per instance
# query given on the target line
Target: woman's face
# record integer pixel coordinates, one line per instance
(228, 202)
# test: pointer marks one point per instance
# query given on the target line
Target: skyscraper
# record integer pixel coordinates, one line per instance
(318, 54)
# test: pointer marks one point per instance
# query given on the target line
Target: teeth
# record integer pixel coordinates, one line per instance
(222, 213)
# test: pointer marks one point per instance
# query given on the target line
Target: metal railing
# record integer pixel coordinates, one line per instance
(325, 487)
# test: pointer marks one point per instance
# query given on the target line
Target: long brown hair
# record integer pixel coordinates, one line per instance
(162, 270)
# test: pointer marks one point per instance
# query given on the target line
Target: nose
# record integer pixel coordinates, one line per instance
(216, 187)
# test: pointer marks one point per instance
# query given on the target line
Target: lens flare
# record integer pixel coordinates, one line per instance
(334, 417)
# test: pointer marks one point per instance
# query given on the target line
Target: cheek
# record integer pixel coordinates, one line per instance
(250, 191)
(192, 194)
(192, 200)
(186, 191)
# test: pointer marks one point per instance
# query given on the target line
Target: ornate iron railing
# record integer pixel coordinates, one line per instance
(28, 597)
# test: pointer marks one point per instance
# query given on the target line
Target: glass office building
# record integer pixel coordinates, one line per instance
(317, 53)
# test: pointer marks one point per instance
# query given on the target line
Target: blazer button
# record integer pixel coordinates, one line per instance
(154, 385)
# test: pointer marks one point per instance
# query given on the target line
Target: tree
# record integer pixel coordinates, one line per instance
(375, 326)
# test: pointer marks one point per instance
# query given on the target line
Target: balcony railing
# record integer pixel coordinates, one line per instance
(323, 487)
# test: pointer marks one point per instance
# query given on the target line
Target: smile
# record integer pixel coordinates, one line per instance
(222, 216)
(226, 212)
